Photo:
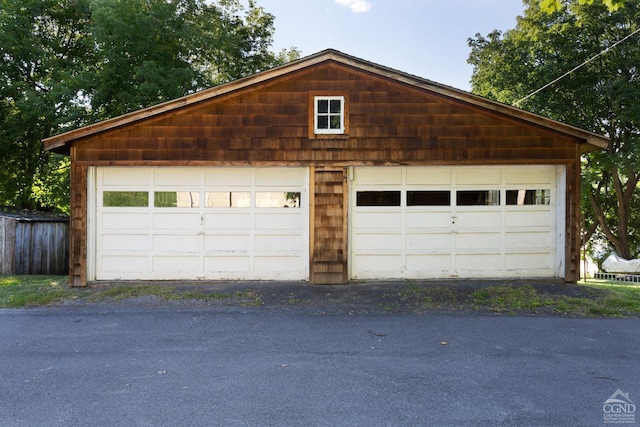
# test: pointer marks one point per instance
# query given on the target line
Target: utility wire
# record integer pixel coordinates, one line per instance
(576, 68)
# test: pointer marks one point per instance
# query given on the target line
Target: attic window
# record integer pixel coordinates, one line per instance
(328, 117)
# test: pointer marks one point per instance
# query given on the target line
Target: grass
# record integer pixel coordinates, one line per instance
(511, 300)
(28, 291)
(119, 293)
(618, 298)
(427, 298)
(595, 298)
(34, 291)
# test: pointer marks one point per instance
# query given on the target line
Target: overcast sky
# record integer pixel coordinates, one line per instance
(427, 38)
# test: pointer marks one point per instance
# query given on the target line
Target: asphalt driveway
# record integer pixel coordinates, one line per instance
(157, 363)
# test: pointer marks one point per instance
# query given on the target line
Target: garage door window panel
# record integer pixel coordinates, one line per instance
(378, 198)
(128, 199)
(528, 197)
(227, 199)
(478, 198)
(277, 199)
(428, 198)
(176, 199)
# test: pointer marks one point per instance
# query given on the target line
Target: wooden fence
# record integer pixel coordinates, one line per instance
(33, 244)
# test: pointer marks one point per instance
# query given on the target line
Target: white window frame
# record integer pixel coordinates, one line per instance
(328, 114)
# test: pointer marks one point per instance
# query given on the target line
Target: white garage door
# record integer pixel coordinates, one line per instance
(442, 222)
(201, 223)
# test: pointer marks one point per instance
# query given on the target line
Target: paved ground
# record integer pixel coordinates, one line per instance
(151, 363)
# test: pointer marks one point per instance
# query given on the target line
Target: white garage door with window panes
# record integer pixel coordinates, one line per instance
(447, 222)
(201, 223)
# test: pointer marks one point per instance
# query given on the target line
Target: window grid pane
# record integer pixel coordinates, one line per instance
(323, 122)
(228, 199)
(176, 199)
(323, 106)
(129, 199)
(277, 199)
(428, 198)
(528, 197)
(378, 198)
(478, 198)
(336, 106)
(336, 122)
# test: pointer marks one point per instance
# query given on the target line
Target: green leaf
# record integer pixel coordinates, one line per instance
(550, 6)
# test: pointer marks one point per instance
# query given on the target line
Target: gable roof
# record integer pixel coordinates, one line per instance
(591, 141)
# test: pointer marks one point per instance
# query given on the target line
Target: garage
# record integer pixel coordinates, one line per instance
(328, 169)
(456, 222)
(201, 223)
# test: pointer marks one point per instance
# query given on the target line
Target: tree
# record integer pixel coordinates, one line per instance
(67, 63)
(600, 95)
(42, 49)
(150, 51)
(142, 54)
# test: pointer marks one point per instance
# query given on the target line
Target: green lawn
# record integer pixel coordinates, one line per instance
(29, 291)
(34, 291)
(619, 297)
(597, 298)
(594, 298)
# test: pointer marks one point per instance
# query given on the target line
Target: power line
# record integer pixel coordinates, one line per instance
(576, 68)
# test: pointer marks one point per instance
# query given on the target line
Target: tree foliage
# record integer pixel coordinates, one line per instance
(67, 63)
(551, 6)
(600, 95)
(41, 44)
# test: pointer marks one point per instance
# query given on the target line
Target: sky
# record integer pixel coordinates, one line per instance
(427, 38)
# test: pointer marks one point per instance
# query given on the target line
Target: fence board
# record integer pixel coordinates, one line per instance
(33, 245)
